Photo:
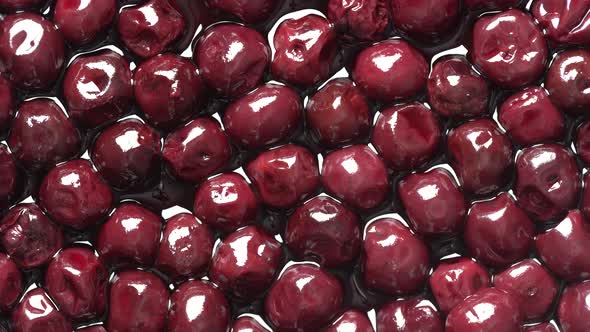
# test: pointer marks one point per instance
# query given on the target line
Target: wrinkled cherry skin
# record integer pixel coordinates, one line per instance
(267, 115)
(168, 90)
(363, 20)
(411, 315)
(128, 155)
(491, 4)
(543, 327)
(249, 11)
(351, 321)
(573, 308)
(582, 142)
(248, 324)
(481, 155)
(11, 283)
(357, 176)
(16, 5)
(39, 66)
(213, 314)
(36, 313)
(83, 24)
(338, 113)
(324, 230)
(406, 135)
(9, 177)
(129, 236)
(28, 236)
(567, 81)
(547, 181)
(228, 74)
(41, 135)
(303, 299)
(425, 19)
(245, 262)
(305, 50)
(185, 248)
(109, 74)
(391, 80)
(147, 30)
(285, 175)
(7, 104)
(455, 279)
(564, 21)
(529, 117)
(138, 302)
(74, 195)
(455, 90)
(498, 232)
(494, 310)
(509, 48)
(563, 248)
(197, 150)
(532, 284)
(77, 281)
(387, 240)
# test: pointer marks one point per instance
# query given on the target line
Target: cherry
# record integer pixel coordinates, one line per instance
(425, 19)
(491, 4)
(16, 5)
(351, 321)
(567, 81)
(573, 308)
(251, 11)
(563, 21)
(543, 327)
(248, 324)
(83, 22)
(36, 313)
(11, 283)
(582, 142)
(363, 20)
(9, 177)
(415, 314)
(7, 104)
(94, 328)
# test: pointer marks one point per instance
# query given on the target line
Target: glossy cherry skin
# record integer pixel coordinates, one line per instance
(509, 48)
(390, 70)
(285, 175)
(82, 22)
(563, 21)
(9, 177)
(231, 58)
(582, 142)
(97, 88)
(36, 313)
(491, 4)
(28, 236)
(351, 321)
(147, 30)
(31, 51)
(185, 248)
(532, 284)
(77, 281)
(425, 19)
(250, 11)
(129, 236)
(268, 114)
(212, 314)
(41, 135)
(548, 181)
(563, 248)
(168, 90)
(488, 310)
(357, 176)
(455, 90)
(481, 156)
(94, 328)
(567, 81)
(573, 308)
(406, 135)
(363, 20)
(11, 283)
(248, 324)
(7, 104)
(386, 240)
(324, 230)
(16, 5)
(138, 302)
(304, 299)
(498, 232)
(543, 327)
(529, 117)
(585, 203)
(455, 279)
(415, 314)
(305, 50)
(197, 150)
(74, 195)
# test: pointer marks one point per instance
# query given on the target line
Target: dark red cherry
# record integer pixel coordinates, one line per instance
(491, 4)
(197, 150)
(81, 22)
(77, 281)
(574, 308)
(425, 19)
(37, 313)
(324, 230)
(568, 81)
(74, 195)
(97, 88)
(455, 279)
(148, 29)
(94, 328)
(250, 11)
(388, 240)
(582, 142)
(248, 324)
(267, 115)
(17, 5)
(360, 19)
(585, 203)
(168, 90)
(11, 283)
(28, 236)
(9, 177)
(31, 51)
(232, 58)
(543, 327)
(285, 175)
(509, 48)
(357, 176)
(547, 181)
(390, 70)
(564, 21)
(7, 104)
(138, 302)
(351, 321)
(410, 315)
(198, 306)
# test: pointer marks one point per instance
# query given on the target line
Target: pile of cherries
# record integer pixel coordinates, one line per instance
(295, 165)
